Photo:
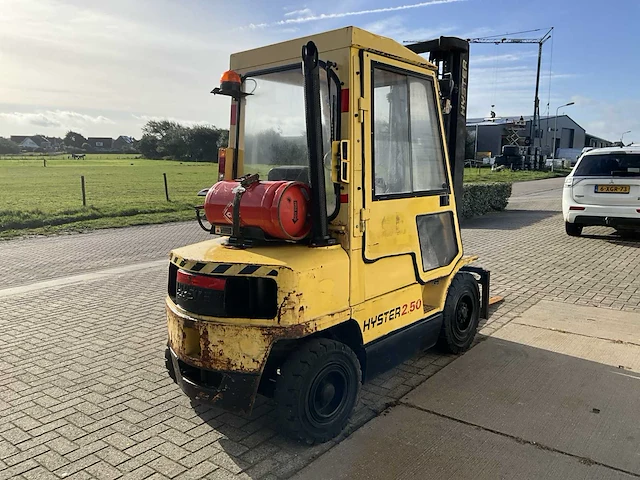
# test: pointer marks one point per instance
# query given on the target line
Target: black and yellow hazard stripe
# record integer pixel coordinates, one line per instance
(227, 269)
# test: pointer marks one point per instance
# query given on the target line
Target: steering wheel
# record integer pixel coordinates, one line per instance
(380, 185)
(326, 161)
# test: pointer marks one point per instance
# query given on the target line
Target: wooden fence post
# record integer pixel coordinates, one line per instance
(84, 196)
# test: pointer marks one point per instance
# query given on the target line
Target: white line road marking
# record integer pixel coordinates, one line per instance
(81, 278)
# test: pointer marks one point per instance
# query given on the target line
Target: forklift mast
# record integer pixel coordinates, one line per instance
(451, 55)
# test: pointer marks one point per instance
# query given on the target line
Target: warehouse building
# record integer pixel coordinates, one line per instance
(491, 134)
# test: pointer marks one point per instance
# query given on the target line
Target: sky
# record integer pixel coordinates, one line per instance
(106, 68)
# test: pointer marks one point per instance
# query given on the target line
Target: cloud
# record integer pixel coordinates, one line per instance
(55, 118)
(113, 59)
(609, 119)
(395, 27)
(304, 11)
(188, 123)
(507, 57)
(309, 17)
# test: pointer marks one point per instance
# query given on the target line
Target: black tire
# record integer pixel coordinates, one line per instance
(461, 314)
(572, 229)
(317, 389)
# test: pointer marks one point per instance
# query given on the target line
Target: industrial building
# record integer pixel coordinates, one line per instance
(491, 134)
(596, 142)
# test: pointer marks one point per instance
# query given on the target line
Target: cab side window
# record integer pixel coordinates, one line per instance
(407, 147)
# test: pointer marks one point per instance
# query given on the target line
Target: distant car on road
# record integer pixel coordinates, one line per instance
(604, 189)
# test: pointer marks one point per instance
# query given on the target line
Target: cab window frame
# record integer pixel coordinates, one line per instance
(335, 123)
(377, 66)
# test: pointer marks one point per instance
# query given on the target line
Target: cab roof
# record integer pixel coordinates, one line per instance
(290, 51)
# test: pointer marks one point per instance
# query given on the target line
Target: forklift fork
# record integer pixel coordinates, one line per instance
(485, 280)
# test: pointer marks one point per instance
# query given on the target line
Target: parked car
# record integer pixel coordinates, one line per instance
(604, 189)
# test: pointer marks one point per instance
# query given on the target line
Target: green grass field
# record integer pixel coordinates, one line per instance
(121, 190)
(484, 175)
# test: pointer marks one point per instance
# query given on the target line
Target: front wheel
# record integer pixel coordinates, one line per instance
(572, 229)
(317, 389)
(461, 314)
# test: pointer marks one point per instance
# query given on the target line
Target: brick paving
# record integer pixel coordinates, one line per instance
(83, 389)
(41, 258)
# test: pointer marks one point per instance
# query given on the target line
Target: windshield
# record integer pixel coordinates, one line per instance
(609, 165)
(275, 137)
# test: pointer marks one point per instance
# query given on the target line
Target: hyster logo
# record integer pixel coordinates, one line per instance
(381, 318)
(389, 315)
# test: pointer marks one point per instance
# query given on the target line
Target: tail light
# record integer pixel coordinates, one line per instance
(576, 208)
(202, 281)
(222, 162)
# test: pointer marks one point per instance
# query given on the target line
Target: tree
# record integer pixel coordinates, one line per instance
(175, 143)
(271, 148)
(169, 139)
(160, 128)
(223, 139)
(148, 146)
(203, 143)
(74, 139)
(7, 146)
(86, 147)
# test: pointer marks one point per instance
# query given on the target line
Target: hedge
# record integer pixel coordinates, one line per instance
(481, 198)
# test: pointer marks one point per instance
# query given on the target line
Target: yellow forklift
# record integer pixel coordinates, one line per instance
(335, 249)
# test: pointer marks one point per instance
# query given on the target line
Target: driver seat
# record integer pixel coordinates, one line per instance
(293, 173)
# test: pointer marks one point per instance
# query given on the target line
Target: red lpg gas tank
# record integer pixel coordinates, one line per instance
(279, 208)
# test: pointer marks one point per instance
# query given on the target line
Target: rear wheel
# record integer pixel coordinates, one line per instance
(317, 389)
(572, 229)
(461, 314)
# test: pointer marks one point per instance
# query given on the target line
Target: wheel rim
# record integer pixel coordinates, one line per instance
(463, 317)
(328, 394)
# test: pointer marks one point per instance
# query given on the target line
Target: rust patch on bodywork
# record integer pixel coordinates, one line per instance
(230, 347)
(290, 306)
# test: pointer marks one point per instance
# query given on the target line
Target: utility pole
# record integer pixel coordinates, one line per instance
(622, 136)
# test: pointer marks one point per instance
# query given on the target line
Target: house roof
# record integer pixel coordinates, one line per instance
(598, 138)
(28, 142)
(39, 140)
(99, 139)
(512, 119)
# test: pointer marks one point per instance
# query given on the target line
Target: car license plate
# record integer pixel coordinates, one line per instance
(613, 188)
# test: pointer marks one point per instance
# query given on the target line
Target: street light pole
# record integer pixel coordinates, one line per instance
(622, 136)
(555, 129)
